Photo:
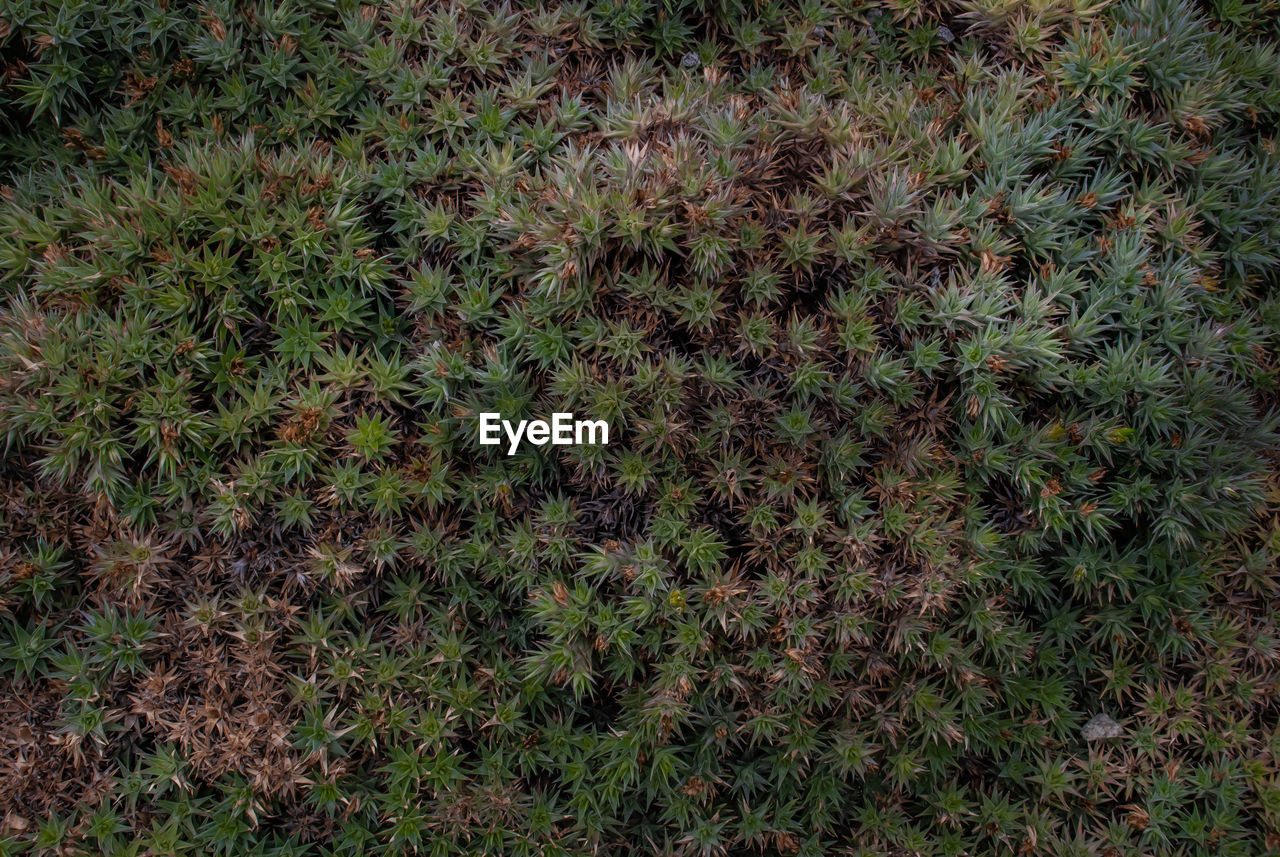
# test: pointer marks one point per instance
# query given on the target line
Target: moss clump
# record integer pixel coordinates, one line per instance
(938, 344)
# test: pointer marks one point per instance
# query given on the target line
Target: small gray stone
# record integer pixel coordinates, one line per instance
(690, 60)
(945, 34)
(1100, 728)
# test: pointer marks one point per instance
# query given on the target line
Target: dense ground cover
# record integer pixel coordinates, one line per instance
(941, 344)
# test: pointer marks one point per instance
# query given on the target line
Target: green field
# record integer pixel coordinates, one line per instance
(938, 342)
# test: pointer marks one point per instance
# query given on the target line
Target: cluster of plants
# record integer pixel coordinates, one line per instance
(940, 345)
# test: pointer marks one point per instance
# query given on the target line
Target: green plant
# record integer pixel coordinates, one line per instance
(938, 344)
